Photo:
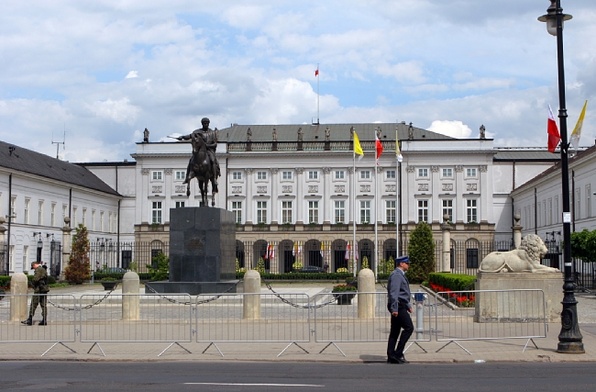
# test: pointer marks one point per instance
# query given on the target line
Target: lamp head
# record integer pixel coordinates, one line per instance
(551, 17)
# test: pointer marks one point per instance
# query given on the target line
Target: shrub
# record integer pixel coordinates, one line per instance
(159, 267)
(421, 251)
(78, 269)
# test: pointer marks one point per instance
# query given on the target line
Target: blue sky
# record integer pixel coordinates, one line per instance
(103, 71)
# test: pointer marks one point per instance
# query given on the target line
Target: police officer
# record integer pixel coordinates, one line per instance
(40, 289)
(398, 304)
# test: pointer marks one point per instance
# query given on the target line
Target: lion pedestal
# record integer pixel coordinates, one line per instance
(519, 306)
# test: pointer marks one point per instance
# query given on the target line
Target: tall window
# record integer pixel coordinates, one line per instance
(27, 205)
(339, 211)
(52, 213)
(390, 211)
(84, 217)
(237, 210)
(365, 211)
(472, 210)
(340, 174)
(261, 211)
(13, 202)
(40, 214)
(313, 174)
(365, 175)
(471, 172)
(448, 209)
(423, 172)
(390, 174)
(155, 212)
(447, 172)
(313, 211)
(101, 220)
(423, 210)
(261, 175)
(236, 175)
(286, 175)
(286, 211)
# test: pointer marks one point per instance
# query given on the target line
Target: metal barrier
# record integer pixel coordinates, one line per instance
(128, 318)
(490, 315)
(280, 319)
(61, 321)
(341, 323)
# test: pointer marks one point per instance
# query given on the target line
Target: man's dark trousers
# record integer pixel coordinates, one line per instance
(402, 321)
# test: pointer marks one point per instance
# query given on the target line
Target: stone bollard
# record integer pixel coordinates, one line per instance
(131, 308)
(18, 299)
(252, 299)
(366, 302)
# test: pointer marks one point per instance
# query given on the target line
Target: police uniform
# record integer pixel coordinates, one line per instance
(398, 301)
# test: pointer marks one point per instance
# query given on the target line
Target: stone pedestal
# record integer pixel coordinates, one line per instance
(202, 252)
(518, 305)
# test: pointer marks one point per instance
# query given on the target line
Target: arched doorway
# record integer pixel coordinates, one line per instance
(286, 256)
(312, 253)
(240, 254)
(339, 255)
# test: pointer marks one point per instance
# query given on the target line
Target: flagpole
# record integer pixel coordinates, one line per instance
(318, 95)
(397, 206)
(376, 210)
(353, 206)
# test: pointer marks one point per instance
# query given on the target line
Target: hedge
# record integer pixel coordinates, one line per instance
(453, 282)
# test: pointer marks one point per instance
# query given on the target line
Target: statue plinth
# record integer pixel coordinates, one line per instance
(202, 252)
(525, 306)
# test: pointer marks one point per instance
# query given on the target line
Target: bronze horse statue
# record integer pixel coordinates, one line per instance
(201, 169)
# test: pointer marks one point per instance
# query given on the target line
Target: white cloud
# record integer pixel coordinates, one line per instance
(451, 128)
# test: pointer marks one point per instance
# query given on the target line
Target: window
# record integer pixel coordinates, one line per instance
(313, 211)
(471, 172)
(64, 211)
(448, 209)
(157, 175)
(588, 201)
(472, 210)
(261, 175)
(261, 212)
(40, 213)
(236, 175)
(101, 220)
(313, 174)
(74, 216)
(365, 211)
(237, 210)
(340, 174)
(365, 175)
(423, 210)
(472, 258)
(13, 201)
(390, 211)
(286, 211)
(422, 172)
(155, 212)
(390, 174)
(93, 220)
(27, 203)
(180, 204)
(339, 211)
(447, 172)
(179, 175)
(84, 217)
(286, 175)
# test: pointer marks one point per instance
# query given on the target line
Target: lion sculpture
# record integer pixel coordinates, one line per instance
(526, 258)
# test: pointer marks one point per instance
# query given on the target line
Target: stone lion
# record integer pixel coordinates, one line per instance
(526, 258)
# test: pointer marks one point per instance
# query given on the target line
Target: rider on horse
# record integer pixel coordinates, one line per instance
(209, 136)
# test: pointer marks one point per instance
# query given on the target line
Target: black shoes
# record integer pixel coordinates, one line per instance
(29, 321)
(43, 322)
(400, 360)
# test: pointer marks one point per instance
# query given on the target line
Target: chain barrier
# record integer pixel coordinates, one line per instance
(189, 303)
(84, 307)
(288, 302)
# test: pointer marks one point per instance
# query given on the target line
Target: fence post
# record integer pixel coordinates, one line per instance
(251, 305)
(446, 254)
(18, 299)
(131, 302)
(366, 296)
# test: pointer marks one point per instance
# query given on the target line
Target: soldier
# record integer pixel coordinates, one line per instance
(40, 289)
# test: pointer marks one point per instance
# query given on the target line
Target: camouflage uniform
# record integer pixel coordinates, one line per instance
(40, 289)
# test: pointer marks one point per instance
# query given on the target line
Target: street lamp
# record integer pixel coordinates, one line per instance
(570, 337)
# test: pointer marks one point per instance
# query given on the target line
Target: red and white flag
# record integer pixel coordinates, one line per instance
(316, 72)
(347, 257)
(553, 131)
(378, 146)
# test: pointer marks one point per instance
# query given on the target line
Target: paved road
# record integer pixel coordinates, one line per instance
(261, 376)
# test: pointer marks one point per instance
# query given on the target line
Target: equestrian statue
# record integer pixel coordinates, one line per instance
(203, 164)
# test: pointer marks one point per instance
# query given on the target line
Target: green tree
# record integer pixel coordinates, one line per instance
(78, 269)
(261, 266)
(160, 267)
(421, 251)
(583, 245)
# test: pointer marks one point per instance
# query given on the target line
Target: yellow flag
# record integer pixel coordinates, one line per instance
(357, 146)
(398, 155)
(577, 131)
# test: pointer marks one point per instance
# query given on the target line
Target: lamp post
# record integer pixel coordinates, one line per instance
(570, 337)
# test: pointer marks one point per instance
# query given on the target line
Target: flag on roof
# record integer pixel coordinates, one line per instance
(577, 131)
(553, 132)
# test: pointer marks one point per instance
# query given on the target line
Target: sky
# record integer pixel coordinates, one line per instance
(95, 74)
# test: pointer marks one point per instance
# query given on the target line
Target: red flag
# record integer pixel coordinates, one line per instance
(378, 146)
(553, 132)
(317, 72)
